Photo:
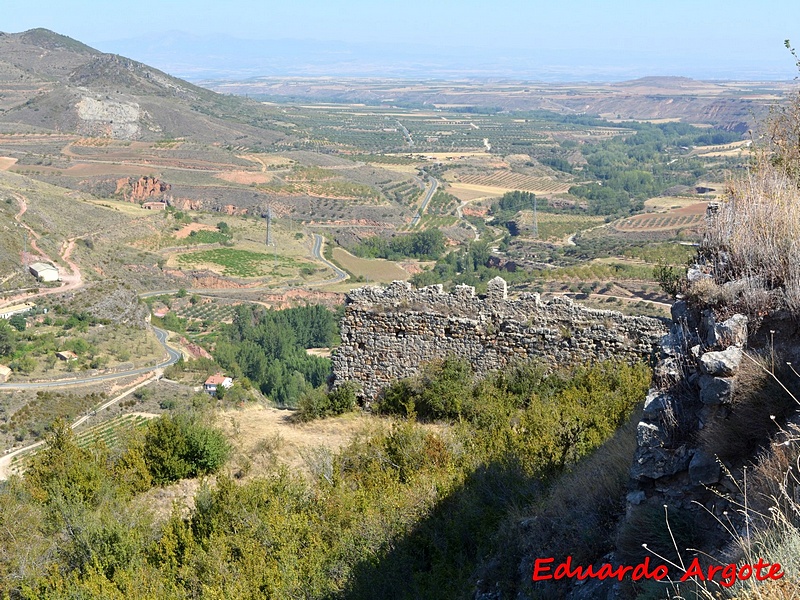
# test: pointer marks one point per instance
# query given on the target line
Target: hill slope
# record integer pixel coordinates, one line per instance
(53, 82)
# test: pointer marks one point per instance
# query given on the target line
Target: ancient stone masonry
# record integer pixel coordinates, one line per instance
(693, 383)
(387, 333)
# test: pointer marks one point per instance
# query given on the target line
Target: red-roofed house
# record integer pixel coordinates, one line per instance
(214, 381)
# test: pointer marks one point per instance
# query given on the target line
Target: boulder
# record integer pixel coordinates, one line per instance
(716, 390)
(655, 404)
(704, 469)
(721, 364)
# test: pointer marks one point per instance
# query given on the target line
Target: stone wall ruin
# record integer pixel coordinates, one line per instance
(387, 333)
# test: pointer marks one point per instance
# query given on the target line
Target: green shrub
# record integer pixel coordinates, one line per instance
(342, 399)
(176, 447)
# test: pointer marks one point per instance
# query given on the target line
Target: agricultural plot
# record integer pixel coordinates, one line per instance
(208, 311)
(682, 218)
(374, 270)
(109, 434)
(556, 226)
(404, 192)
(509, 180)
(234, 262)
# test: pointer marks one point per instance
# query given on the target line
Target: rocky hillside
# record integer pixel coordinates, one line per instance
(53, 82)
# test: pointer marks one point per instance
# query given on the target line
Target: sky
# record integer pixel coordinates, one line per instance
(718, 38)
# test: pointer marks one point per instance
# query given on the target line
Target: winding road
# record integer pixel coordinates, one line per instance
(317, 251)
(172, 357)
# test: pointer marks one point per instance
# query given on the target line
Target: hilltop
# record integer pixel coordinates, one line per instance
(53, 82)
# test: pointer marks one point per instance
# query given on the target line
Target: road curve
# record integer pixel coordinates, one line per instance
(317, 251)
(172, 357)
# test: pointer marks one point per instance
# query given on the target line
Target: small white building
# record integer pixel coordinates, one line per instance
(5, 373)
(218, 380)
(16, 309)
(44, 271)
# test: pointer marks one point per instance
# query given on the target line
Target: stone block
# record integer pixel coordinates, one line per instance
(650, 435)
(655, 404)
(721, 364)
(731, 332)
(704, 469)
(716, 390)
(655, 463)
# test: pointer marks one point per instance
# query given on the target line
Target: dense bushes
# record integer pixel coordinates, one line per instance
(319, 403)
(176, 447)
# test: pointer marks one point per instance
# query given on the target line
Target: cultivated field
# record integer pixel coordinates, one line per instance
(682, 218)
(508, 180)
(372, 270)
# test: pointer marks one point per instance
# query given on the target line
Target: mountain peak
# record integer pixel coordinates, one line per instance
(50, 40)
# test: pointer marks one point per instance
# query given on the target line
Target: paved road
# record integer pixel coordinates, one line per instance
(317, 251)
(428, 196)
(161, 335)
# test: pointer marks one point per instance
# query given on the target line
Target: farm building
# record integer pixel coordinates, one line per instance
(67, 355)
(5, 373)
(214, 381)
(44, 271)
(16, 309)
(155, 205)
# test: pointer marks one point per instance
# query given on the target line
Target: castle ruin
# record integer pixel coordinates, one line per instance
(387, 333)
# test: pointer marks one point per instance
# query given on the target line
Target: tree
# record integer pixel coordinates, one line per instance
(7, 339)
(18, 322)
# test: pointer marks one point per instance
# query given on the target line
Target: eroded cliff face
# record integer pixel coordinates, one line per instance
(387, 333)
(142, 189)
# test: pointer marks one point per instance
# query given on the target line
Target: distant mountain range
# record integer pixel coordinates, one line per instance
(225, 57)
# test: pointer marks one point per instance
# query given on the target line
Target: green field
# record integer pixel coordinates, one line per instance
(241, 263)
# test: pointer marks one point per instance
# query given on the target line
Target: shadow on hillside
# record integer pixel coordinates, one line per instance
(438, 558)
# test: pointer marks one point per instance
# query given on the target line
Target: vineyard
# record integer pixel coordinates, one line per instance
(517, 181)
(108, 434)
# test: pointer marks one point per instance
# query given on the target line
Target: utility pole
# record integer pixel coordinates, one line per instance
(270, 241)
(269, 226)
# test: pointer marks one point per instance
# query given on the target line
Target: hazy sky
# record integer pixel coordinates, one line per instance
(744, 34)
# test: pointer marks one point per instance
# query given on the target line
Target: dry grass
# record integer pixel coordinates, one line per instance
(758, 404)
(757, 227)
(264, 436)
